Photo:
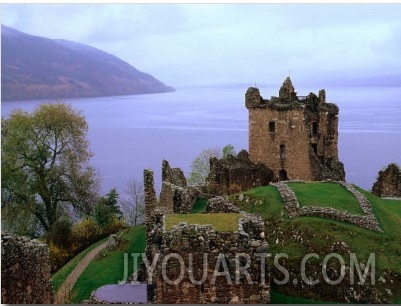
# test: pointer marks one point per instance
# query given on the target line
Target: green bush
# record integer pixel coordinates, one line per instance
(113, 226)
(85, 233)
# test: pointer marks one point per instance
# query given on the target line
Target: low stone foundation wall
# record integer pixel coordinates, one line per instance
(25, 271)
(198, 264)
(368, 220)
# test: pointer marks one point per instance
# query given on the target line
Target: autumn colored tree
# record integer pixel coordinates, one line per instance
(45, 164)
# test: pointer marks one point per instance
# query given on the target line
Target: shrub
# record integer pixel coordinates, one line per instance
(115, 225)
(58, 257)
(85, 233)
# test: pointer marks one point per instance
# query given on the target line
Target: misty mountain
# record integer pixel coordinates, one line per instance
(34, 67)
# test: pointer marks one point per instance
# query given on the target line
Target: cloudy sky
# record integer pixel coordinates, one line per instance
(196, 44)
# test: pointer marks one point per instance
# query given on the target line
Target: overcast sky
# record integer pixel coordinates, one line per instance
(190, 44)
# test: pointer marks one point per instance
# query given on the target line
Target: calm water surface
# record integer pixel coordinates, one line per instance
(130, 133)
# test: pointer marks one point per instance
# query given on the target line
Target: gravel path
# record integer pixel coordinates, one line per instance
(63, 294)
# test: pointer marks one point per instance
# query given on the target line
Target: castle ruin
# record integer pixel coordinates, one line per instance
(201, 250)
(295, 136)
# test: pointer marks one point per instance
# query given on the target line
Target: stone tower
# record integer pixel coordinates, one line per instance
(295, 136)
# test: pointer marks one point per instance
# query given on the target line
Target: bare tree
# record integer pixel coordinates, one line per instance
(133, 205)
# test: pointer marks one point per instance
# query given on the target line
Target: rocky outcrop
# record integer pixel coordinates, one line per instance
(233, 174)
(114, 241)
(388, 182)
(25, 271)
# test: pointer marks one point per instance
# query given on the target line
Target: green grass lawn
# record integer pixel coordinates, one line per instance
(264, 201)
(109, 268)
(61, 275)
(326, 195)
(222, 222)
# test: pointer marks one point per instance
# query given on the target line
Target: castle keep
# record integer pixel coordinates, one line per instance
(295, 136)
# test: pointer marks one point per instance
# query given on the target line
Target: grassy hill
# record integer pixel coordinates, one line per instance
(304, 235)
(296, 237)
(107, 268)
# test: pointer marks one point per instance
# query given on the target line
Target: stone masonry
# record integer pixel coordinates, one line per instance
(199, 265)
(175, 195)
(220, 204)
(244, 250)
(388, 182)
(25, 271)
(295, 136)
(367, 220)
(233, 174)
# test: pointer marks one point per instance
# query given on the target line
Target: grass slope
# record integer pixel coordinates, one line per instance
(109, 268)
(224, 222)
(326, 195)
(321, 233)
(61, 275)
(266, 201)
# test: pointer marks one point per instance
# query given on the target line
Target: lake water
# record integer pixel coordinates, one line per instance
(130, 133)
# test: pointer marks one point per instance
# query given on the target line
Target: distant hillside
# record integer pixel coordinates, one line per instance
(34, 67)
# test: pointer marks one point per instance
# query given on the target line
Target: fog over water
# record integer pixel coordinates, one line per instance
(130, 133)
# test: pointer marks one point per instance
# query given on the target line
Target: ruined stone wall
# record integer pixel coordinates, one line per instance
(294, 136)
(199, 282)
(324, 157)
(220, 204)
(25, 271)
(191, 242)
(175, 195)
(388, 182)
(233, 174)
(150, 207)
(366, 220)
(289, 131)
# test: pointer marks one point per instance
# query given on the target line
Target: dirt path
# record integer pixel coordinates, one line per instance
(63, 294)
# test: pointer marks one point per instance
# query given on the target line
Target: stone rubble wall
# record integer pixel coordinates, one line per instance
(185, 239)
(150, 206)
(388, 182)
(368, 220)
(175, 195)
(233, 174)
(25, 271)
(220, 204)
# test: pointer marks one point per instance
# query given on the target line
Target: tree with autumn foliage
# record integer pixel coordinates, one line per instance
(45, 166)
